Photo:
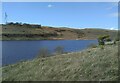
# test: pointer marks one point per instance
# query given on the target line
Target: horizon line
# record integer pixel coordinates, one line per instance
(106, 28)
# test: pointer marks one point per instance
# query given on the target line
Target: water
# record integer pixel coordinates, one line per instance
(15, 51)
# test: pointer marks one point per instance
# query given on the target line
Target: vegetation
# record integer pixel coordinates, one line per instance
(92, 64)
(117, 39)
(44, 52)
(79, 33)
(103, 38)
(102, 47)
(23, 24)
(59, 50)
(92, 45)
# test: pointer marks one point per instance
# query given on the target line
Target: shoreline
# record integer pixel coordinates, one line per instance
(41, 39)
(84, 62)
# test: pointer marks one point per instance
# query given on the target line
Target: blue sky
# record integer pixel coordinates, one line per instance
(63, 14)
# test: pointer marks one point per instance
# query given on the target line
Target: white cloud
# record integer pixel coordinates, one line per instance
(108, 28)
(113, 5)
(113, 28)
(116, 14)
(50, 6)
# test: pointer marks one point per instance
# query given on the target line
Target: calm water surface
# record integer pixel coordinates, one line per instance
(15, 51)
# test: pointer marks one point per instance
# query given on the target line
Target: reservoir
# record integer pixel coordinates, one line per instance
(16, 51)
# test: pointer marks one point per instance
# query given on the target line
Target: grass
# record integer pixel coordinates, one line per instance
(92, 64)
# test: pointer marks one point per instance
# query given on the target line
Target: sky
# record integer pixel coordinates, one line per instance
(63, 14)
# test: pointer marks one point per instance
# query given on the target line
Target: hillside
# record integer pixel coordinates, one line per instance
(93, 64)
(38, 32)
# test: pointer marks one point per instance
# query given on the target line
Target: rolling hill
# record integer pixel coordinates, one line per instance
(38, 32)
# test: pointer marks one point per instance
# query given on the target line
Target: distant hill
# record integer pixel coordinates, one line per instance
(16, 31)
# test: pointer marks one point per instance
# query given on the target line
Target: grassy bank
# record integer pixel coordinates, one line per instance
(90, 64)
